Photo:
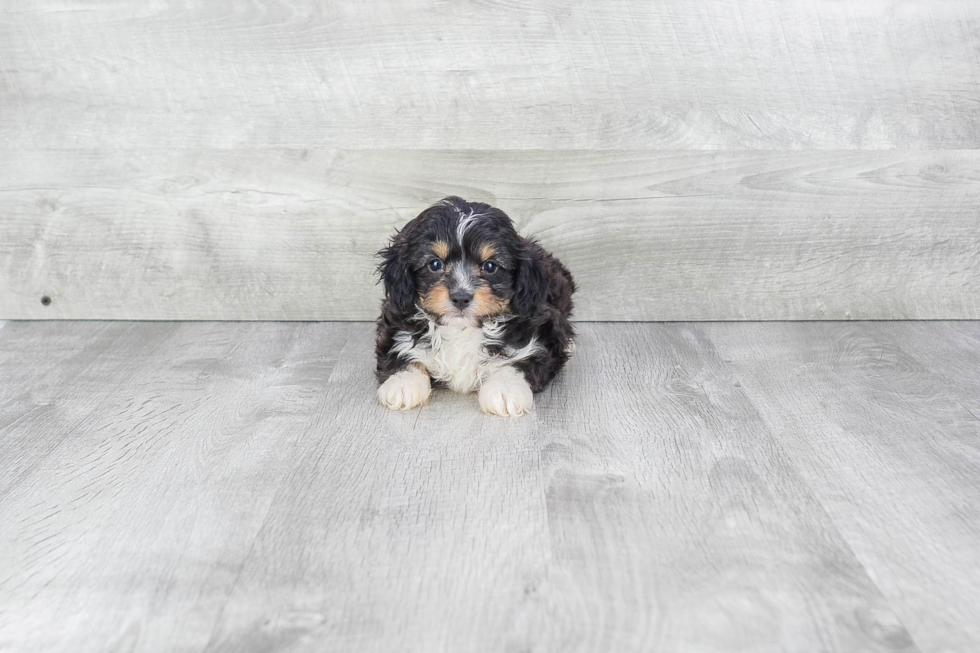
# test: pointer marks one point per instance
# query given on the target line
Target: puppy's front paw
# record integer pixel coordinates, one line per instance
(405, 390)
(507, 394)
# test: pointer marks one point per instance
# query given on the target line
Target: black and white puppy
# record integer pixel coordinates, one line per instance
(472, 305)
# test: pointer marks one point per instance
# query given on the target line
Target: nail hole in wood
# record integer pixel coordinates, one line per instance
(46, 300)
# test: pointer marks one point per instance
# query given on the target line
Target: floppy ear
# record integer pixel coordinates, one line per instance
(397, 276)
(532, 286)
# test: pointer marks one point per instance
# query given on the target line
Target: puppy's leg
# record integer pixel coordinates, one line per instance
(506, 393)
(406, 389)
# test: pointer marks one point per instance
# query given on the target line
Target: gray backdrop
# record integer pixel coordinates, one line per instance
(693, 160)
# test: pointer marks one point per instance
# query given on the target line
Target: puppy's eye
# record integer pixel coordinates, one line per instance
(489, 267)
(435, 265)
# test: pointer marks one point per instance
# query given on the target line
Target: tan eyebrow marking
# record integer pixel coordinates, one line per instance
(441, 249)
(487, 252)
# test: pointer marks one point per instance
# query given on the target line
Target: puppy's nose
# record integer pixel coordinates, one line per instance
(461, 298)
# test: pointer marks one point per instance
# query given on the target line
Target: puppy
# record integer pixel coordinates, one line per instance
(471, 305)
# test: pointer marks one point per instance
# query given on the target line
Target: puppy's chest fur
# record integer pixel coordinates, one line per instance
(460, 356)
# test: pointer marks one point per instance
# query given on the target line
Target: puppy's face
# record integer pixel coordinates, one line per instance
(464, 281)
(460, 262)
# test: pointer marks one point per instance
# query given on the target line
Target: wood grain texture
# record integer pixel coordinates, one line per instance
(950, 350)
(250, 495)
(58, 399)
(676, 521)
(706, 74)
(290, 234)
(446, 530)
(127, 535)
(890, 449)
(411, 531)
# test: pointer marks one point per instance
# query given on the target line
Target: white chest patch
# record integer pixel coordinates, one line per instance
(457, 355)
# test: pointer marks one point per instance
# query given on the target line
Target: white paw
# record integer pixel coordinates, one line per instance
(506, 393)
(405, 390)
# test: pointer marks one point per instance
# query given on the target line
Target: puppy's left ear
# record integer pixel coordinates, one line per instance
(396, 275)
(531, 286)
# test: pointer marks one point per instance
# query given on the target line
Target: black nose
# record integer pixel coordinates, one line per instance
(461, 298)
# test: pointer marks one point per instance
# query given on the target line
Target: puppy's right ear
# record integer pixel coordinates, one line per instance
(397, 276)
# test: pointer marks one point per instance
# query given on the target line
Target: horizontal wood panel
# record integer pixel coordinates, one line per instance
(290, 234)
(705, 74)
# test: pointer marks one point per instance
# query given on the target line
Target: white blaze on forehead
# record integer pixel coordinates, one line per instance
(465, 222)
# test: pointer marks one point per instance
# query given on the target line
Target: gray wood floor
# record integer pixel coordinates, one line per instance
(681, 487)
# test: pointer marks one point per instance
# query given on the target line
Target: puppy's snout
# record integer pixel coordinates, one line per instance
(461, 298)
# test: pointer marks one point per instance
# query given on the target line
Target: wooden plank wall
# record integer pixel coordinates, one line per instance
(702, 160)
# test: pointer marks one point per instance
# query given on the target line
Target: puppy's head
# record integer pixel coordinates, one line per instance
(462, 263)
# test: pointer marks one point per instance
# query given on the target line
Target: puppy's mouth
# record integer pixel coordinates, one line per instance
(457, 318)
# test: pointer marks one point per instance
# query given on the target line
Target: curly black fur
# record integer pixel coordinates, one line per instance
(531, 287)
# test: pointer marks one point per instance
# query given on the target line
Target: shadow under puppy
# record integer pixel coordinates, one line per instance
(471, 305)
